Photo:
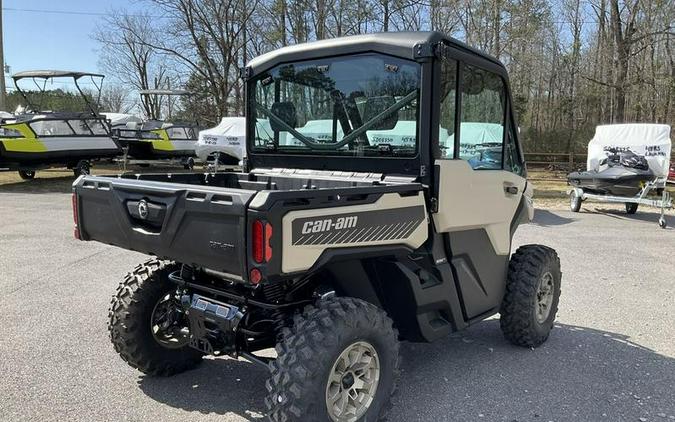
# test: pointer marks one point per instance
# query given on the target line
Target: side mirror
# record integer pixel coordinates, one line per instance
(285, 110)
(377, 105)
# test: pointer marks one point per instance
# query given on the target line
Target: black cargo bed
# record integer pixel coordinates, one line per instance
(194, 224)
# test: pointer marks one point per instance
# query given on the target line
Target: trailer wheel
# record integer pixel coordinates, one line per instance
(27, 174)
(631, 207)
(532, 292)
(147, 327)
(575, 201)
(82, 168)
(338, 362)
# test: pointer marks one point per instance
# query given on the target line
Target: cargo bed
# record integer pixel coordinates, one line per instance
(198, 219)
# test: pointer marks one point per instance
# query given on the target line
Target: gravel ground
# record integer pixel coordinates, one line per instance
(611, 356)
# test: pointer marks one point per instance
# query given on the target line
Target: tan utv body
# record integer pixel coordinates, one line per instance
(383, 183)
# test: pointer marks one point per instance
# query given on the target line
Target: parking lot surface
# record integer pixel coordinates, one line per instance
(611, 356)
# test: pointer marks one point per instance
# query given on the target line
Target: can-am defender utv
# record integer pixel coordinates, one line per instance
(391, 224)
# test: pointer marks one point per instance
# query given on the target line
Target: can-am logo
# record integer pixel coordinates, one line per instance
(143, 209)
(326, 224)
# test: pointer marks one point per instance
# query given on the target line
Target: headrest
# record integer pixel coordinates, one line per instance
(377, 105)
(285, 110)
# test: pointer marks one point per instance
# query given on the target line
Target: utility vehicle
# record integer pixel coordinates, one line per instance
(333, 248)
(40, 139)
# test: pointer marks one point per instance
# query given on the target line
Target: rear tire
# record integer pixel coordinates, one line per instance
(27, 174)
(318, 348)
(131, 331)
(532, 293)
(575, 201)
(82, 168)
(631, 207)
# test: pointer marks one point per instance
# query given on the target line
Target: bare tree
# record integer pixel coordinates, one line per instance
(115, 99)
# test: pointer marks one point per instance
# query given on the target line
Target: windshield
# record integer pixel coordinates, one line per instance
(358, 105)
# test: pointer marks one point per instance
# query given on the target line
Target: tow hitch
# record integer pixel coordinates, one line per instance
(213, 324)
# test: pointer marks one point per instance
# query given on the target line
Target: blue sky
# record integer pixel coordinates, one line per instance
(62, 41)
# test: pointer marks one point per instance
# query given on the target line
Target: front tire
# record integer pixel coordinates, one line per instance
(575, 201)
(532, 293)
(145, 343)
(338, 362)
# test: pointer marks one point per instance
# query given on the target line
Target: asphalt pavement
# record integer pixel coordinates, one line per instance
(611, 356)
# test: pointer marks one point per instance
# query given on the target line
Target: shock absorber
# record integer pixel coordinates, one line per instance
(274, 292)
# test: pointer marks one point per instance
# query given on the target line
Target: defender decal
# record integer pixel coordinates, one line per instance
(368, 226)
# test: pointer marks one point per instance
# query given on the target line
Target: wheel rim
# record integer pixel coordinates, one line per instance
(544, 297)
(352, 382)
(167, 323)
(573, 199)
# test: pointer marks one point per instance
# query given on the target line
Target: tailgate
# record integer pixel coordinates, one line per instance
(197, 225)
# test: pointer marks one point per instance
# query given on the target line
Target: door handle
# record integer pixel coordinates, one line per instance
(511, 190)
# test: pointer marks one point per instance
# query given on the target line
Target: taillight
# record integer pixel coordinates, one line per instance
(268, 247)
(76, 217)
(258, 236)
(261, 235)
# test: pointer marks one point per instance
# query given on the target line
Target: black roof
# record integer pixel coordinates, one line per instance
(408, 45)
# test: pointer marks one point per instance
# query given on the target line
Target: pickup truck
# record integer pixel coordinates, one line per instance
(382, 186)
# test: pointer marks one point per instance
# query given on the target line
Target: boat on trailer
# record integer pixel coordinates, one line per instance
(626, 164)
(157, 139)
(37, 139)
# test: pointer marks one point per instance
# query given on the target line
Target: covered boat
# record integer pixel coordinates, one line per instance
(623, 158)
(41, 139)
(227, 141)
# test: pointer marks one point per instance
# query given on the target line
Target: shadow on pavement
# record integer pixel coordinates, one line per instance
(580, 373)
(640, 215)
(218, 386)
(38, 185)
(546, 218)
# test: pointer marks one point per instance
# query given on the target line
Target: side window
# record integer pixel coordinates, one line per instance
(97, 127)
(51, 128)
(176, 133)
(80, 127)
(514, 162)
(481, 129)
(446, 129)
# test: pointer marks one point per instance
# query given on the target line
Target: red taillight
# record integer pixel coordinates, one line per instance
(258, 236)
(261, 235)
(76, 218)
(256, 276)
(268, 247)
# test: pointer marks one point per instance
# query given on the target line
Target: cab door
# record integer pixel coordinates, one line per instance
(480, 179)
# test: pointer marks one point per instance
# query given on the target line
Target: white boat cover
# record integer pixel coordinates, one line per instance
(121, 119)
(229, 137)
(650, 140)
(473, 135)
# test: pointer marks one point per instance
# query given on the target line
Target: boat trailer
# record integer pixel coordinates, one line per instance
(664, 203)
